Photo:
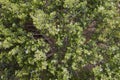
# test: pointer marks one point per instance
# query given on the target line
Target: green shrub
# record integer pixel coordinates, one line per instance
(59, 40)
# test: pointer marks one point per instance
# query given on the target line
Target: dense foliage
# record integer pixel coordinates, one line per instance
(59, 40)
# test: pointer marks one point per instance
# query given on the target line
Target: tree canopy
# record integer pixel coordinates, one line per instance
(59, 39)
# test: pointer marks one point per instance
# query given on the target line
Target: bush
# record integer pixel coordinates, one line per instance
(59, 40)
